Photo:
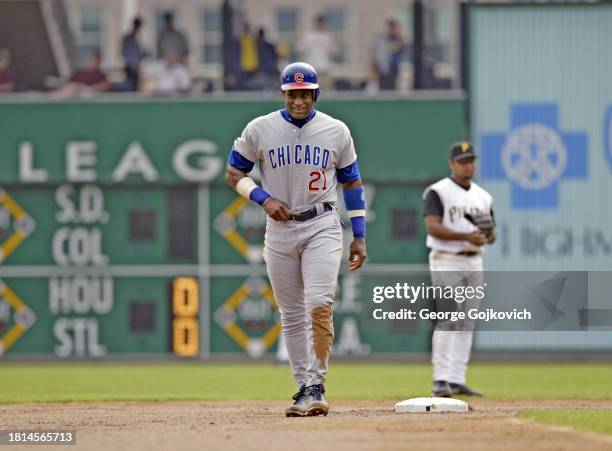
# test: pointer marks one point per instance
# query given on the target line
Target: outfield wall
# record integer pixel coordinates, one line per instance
(119, 237)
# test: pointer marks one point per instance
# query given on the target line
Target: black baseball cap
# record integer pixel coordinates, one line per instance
(461, 150)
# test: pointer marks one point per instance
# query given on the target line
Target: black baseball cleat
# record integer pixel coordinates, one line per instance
(317, 404)
(460, 389)
(299, 408)
(441, 389)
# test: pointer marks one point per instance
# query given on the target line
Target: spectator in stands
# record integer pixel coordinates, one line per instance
(7, 75)
(169, 76)
(387, 54)
(85, 81)
(91, 75)
(268, 62)
(171, 40)
(133, 54)
(317, 48)
(249, 57)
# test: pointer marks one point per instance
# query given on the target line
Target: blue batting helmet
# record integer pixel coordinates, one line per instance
(299, 76)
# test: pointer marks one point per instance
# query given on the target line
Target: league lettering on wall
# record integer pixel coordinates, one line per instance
(541, 117)
(117, 235)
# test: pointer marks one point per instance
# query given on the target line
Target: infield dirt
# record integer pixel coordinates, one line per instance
(261, 426)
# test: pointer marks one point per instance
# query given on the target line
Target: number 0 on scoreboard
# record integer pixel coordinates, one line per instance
(185, 317)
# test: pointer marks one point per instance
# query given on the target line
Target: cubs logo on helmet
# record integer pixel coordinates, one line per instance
(299, 76)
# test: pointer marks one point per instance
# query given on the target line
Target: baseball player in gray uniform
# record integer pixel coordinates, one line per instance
(459, 220)
(302, 155)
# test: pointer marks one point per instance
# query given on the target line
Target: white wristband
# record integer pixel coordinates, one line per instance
(244, 187)
(355, 213)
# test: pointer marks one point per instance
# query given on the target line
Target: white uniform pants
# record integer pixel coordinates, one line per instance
(303, 261)
(452, 342)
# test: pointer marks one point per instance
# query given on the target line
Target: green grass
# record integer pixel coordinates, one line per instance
(66, 382)
(590, 420)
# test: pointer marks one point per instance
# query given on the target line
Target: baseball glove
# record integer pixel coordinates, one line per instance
(484, 222)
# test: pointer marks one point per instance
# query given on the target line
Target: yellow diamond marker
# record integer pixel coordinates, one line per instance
(236, 206)
(239, 243)
(23, 317)
(23, 225)
(225, 316)
(226, 226)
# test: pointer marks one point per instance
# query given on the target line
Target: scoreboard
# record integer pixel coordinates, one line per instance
(82, 256)
(118, 235)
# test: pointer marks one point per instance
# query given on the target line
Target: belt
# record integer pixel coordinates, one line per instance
(462, 253)
(309, 214)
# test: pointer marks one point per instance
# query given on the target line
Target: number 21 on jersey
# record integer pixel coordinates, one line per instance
(318, 181)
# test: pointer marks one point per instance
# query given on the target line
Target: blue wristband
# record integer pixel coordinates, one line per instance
(354, 199)
(259, 195)
(359, 226)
